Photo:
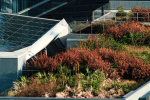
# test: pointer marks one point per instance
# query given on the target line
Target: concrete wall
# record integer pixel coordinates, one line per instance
(8, 72)
(11, 65)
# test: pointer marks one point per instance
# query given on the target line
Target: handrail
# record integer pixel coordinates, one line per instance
(137, 16)
(80, 26)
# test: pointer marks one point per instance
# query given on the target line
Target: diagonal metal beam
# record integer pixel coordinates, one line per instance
(27, 9)
(51, 9)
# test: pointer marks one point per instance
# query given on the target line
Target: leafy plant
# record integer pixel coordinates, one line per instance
(38, 86)
(121, 11)
(92, 79)
(107, 42)
(137, 34)
(64, 77)
(23, 79)
(121, 8)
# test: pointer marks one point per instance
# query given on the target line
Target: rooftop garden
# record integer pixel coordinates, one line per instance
(105, 66)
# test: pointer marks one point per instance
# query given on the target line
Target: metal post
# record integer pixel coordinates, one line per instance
(93, 16)
(91, 28)
(45, 51)
(80, 28)
(104, 16)
(103, 27)
(148, 16)
(137, 16)
(127, 16)
(115, 17)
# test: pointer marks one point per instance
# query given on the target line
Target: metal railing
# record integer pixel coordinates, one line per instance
(103, 22)
(89, 26)
(139, 16)
(129, 16)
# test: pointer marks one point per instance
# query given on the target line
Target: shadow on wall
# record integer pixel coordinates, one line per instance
(11, 66)
(6, 81)
(58, 44)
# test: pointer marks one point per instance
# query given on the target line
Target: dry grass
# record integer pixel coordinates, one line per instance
(127, 82)
(11, 94)
(136, 49)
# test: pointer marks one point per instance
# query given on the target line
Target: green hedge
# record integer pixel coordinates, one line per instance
(121, 14)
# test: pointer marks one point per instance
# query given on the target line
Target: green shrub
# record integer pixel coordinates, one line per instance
(121, 14)
(87, 79)
(125, 87)
(98, 42)
(145, 52)
(92, 79)
(134, 39)
(145, 55)
(121, 8)
(62, 75)
(23, 79)
(137, 39)
(121, 11)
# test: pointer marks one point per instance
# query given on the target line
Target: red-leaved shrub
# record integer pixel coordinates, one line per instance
(125, 28)
(101, 59)
(131, 67)
(38, 89)
(142, 12)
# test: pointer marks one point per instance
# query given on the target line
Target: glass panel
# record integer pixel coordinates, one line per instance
(101, 11)
(6, 6)
(17, 32)
(107, 8)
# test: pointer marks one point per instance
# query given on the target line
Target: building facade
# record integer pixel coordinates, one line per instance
(71, 10)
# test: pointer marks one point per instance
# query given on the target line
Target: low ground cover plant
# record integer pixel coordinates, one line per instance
(93, 64)
(124, 63)
(38, 86)
(97, 59)
(46, 85)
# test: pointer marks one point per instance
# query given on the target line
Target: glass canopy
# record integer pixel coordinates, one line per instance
(17, 32)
